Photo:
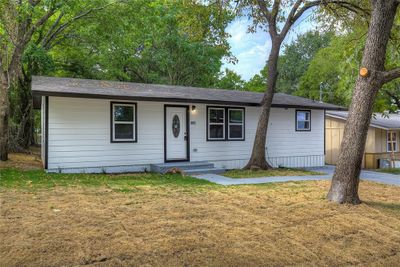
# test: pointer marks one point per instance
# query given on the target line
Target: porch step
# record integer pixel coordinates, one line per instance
(186, 167)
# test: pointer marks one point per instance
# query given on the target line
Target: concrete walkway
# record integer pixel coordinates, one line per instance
(379, 177)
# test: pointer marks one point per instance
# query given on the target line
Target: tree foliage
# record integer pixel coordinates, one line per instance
(296, 59)
(169, 42)
(230, 80)
(150, 42)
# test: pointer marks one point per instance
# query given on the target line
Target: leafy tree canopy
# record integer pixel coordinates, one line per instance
(149, 41)
(230, 80)
(293, 62)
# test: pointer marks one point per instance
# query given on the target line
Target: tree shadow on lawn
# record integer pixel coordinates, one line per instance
(384, 205)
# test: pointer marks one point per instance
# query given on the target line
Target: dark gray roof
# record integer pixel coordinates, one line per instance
(379, 120)
(68, 87)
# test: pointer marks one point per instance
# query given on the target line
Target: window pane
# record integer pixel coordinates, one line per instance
(235, 131)
(123, 113)
(235, 116)
(216, 115)
(391, 146)
(216, 131)
(123, 131)
(301, 116)
(392, 136)
(301, 125)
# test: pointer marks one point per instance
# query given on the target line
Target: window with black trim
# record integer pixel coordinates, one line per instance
(225, 124)
(123, 122)
(235, 123)
(303, 120)
(216, 123)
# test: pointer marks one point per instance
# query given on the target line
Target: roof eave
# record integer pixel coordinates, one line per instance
(179, 100)
(371, 124)
(140, 98)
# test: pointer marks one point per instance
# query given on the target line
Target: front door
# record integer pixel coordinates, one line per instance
(176, 133)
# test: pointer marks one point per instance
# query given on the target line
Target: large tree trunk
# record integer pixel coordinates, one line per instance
(4, 110)
(24, 115)
(258, 159)
(344, 187)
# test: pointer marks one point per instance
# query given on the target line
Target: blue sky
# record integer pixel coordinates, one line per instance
(252, 49)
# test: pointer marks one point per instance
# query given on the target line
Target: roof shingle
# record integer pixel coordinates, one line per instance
(71, 87)
(378, 120)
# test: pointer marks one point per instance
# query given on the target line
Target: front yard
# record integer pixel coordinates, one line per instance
(154, 220)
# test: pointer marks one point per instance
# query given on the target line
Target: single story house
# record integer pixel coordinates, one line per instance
(107, 126)
(382, 139)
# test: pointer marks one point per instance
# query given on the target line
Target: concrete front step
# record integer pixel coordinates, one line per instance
(186, 167)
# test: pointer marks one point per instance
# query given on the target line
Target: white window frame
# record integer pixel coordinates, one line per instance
(133, 122)
(216, 123)
(309, 121)
(234, 123)
(390, 142)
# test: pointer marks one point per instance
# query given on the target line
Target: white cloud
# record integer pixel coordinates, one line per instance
(252, 49)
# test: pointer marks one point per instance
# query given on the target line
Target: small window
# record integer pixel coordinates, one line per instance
(391, 142)
(236, 124)
(216, 123)
(123, 122)
(303, 120)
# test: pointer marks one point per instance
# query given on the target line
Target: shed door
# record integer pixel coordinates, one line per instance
(176, 133)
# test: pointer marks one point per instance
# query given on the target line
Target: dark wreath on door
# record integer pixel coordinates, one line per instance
(176, 126)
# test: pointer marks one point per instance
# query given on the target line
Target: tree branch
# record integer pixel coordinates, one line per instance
(275, 9)
(391, 75)
(50, 36)
(292, 17)
(28, 34)
(270, 18)
(297, 12)
(53, 26)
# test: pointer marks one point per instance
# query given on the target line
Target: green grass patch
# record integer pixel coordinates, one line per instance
(13, 178)
(269, 173)
(390, 170)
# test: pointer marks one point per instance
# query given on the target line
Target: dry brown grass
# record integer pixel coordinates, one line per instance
(274, 224)
(23, 161)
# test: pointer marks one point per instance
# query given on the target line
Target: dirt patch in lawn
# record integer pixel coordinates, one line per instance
(258, 225)
(23, 161)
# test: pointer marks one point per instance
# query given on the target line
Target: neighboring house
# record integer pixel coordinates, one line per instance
(382, 139)
(104, 126)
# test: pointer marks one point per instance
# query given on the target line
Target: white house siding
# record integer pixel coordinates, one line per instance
(79, 138)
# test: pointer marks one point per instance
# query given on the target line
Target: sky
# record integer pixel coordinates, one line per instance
(252, 49)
